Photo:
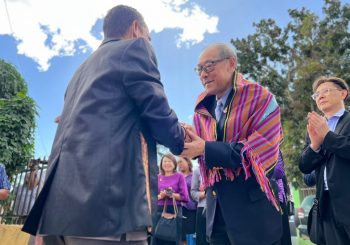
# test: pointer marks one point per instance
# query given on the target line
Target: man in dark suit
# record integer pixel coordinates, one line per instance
(237, 144)
(102, 178)
(327, 152)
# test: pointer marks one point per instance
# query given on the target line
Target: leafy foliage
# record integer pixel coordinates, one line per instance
(287, 60)
(17, 120)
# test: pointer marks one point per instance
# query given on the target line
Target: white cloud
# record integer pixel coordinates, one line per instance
(45, 28)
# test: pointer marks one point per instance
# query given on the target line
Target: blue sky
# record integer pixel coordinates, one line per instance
(48, 39)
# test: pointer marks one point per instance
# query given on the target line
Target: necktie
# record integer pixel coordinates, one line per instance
(218, 110)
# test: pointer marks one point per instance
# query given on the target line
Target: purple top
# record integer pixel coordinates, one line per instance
(177, 182)
(191, 204)
(278, 175)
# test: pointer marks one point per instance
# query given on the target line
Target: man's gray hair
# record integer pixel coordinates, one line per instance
(224, 50)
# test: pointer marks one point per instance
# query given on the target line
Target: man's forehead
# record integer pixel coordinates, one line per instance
(325, 85)
(208, 55)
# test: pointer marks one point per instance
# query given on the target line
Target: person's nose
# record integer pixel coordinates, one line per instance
(324, 93)
(203, 74)
(321, 96)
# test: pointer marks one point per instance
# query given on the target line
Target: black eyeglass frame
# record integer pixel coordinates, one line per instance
(209, 66)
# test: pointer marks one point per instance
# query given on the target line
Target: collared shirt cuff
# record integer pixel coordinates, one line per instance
(317, 151)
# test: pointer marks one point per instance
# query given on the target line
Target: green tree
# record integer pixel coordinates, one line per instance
(17, 120)
(288, 59)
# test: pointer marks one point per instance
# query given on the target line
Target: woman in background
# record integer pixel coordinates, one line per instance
(170, 184)
(198, 194)
(189, 208)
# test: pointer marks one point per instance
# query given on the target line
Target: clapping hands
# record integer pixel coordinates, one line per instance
(317, 129)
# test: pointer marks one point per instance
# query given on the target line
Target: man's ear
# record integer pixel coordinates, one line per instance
(136, 29)
(344, 94)
(132, 31)
(232, 62)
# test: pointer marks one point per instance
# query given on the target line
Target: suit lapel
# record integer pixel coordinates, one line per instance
(212, 106)
(342, 121)
(340, 125)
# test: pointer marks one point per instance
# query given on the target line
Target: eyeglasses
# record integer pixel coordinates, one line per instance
(209, 66)
(325, 91)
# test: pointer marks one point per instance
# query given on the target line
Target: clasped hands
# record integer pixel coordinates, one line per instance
(168, 192)
(194, 145)
(317, 129)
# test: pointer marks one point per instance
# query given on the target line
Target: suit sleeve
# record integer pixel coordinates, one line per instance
(141, 79)
(310, 159)
(337, 144)
(310, 179)
(222, 154)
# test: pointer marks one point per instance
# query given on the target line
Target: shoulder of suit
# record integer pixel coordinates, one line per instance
(140, 42)
(346, 115)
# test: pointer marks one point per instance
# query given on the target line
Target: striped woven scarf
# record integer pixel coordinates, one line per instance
(253, 119)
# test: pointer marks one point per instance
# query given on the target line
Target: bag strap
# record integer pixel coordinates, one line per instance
(165, 205)
(175, 207)
(176, 211)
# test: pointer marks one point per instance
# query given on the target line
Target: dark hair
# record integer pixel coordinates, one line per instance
(189, 163)
(338, 82)
(172, 158)
(119, 19)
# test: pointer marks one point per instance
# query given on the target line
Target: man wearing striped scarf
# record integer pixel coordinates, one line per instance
(236, 135)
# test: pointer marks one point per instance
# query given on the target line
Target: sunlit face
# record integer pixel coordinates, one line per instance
(217, 81)
(183, 165)
(168, 165)
(330, 98)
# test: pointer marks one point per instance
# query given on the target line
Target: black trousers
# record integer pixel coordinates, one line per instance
(220, 235)
(188, 223)
(60, 240)
(334, 232)
(201, 236)
(286, 237)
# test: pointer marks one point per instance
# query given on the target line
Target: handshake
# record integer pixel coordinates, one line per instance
(188, 132)
(194, 145)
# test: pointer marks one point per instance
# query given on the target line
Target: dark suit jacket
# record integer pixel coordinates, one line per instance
(310, 179)
(96, 183)
(335, 154)
(249, 216)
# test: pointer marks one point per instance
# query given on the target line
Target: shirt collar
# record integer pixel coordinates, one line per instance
(223, 98)
(338, 114)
